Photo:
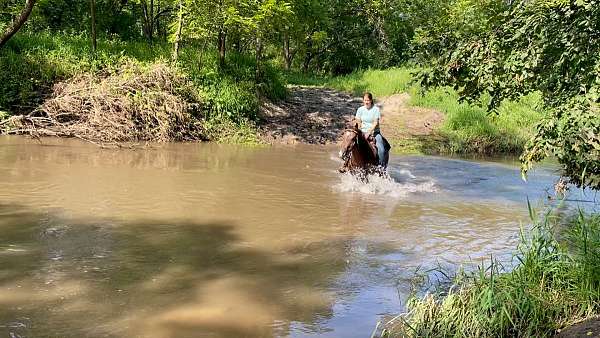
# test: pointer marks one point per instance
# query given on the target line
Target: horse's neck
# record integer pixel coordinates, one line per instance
(365, 147)
(362, 154)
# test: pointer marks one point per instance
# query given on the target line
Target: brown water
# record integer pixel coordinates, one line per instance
(204, 240)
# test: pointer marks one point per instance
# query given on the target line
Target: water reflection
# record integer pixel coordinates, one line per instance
(99, 277)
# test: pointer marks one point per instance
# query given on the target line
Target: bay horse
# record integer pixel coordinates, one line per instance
(359, 154)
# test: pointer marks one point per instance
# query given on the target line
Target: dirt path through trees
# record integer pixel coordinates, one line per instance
(316, 115)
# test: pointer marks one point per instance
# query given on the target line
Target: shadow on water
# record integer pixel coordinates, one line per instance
(101, 277)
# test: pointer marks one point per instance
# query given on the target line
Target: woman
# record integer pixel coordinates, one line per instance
(368, 117)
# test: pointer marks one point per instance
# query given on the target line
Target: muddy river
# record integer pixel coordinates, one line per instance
(207, 240)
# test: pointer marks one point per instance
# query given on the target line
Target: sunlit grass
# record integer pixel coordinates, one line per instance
(378, 82)
(470, 128)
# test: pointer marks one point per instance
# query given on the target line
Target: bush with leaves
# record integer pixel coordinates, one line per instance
(542, 45)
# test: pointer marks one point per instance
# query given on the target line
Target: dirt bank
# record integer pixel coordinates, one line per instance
(589, 328)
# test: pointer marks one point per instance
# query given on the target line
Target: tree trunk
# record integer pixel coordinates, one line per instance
(307, 59)
(148, 19)
(258, 51)
(222, 37)
(93, 15)
(157, 21)
(151, 23)
(16, 25)
(144, 18)
(287, 56)
(178, 35)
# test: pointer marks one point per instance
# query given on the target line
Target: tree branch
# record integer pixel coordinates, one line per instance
(16, 25)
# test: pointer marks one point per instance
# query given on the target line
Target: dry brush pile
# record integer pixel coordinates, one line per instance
(132, 103)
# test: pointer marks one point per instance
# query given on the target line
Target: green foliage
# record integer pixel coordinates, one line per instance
(555, 283)
(572, 135)
(124, 19)
(231, 92)
(544, 45)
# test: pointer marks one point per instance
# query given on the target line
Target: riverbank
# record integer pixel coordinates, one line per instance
(317, 115)
(435, 121)
(222, 99)
(230, 105)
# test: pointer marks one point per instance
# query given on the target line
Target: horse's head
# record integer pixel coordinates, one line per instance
(349, 140)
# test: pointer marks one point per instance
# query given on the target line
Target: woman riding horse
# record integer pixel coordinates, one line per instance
(368, 117)
(358, 152)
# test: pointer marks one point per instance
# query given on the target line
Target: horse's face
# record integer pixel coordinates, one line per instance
(349, 139)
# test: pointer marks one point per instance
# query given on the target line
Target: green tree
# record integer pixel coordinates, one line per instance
(551, 46)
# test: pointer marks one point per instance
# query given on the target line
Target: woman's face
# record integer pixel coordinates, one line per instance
(367, 102)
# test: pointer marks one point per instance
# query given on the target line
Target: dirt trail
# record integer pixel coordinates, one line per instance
(589, 328)
(317, 115)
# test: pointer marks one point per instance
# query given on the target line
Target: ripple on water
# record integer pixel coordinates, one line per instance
(398, 184)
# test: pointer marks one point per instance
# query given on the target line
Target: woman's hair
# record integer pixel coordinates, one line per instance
(369, 95)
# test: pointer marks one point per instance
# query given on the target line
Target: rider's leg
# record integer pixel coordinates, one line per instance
(380, 149)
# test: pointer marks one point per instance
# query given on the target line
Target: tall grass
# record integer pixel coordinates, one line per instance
(555, 283)
(379, 82)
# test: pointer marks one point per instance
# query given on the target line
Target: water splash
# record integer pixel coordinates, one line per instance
(399, 183)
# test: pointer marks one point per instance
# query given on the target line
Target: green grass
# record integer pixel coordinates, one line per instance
(467, 128)
(556, 283)
(470, 128)
(230, 132)
(378, 82)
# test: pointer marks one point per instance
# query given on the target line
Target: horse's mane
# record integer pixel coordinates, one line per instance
(363, 145)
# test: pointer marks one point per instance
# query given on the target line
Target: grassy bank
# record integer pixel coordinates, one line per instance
(467, 128)
(31, 64)
(555, 283)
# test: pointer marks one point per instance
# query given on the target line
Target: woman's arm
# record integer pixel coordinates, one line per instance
(376, 122)
(358, 122)
(375, 126)
(357, 118)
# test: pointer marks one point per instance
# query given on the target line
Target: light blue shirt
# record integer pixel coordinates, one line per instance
(368, 117)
